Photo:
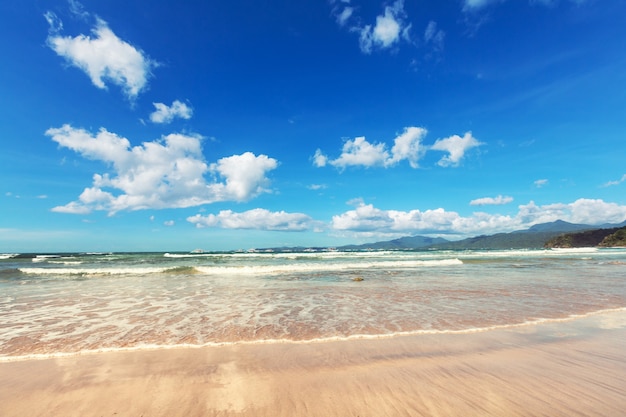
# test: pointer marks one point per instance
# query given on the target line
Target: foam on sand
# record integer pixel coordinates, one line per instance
(556, 369)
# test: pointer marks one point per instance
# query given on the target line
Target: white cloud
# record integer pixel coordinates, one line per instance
(583, 210)
(319, 159)
(409, 146)
(617, 182)
(344, 15)
(390, 26)
(166, 173)
(473, 5)
(77, 9)
(258, 219)
(169, 223)
(456, 147)
(342, 11)
(359, 152)
(367, 220)
(540, 183)
(103, 56)
(244, 174)
(499, 200)
(165, 114)
(434, 36)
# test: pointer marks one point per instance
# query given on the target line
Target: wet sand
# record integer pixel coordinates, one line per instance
(575, 368)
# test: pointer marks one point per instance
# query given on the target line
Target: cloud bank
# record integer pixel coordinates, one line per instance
(366, 220)
(166, 173)
(406, 147)
(258, 219)
(102, 56)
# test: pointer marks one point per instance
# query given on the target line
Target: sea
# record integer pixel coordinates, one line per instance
(72, 303)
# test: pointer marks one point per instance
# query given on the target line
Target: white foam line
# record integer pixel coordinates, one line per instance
(149, 347)
(275, 269)
(90, 271)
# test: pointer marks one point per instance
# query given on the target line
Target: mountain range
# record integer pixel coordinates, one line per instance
(534, 237)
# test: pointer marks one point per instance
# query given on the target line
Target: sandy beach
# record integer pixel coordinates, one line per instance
(571, 368)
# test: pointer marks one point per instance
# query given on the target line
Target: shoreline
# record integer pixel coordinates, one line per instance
(156, 347)
(563, 368)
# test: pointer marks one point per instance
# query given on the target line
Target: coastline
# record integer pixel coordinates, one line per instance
(563, 368)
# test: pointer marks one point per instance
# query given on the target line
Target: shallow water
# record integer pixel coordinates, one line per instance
(69, 303)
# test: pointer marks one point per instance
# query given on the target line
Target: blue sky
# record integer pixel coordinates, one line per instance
(163, 125)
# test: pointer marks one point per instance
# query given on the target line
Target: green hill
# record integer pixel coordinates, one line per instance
(589, 238)
(407, 242)
(616, 239)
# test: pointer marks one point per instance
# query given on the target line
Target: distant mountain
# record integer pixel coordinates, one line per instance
(608, 225)
(407, 242)
(559, 226)
(513, 240)
(534, 237)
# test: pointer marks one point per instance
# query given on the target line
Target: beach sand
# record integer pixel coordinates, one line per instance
(573, 368)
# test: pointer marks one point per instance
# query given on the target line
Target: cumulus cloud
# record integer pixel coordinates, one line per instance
(540, 183)
(407, 146)
(319, 159)
(258, 219)
(102, 56)
(456, 147)
(499, 200)
(165, 113)
(360, 152)
(367, 220)
(166, 173)
(389, 27)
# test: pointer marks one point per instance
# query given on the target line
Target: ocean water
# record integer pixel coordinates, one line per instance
(61, 304)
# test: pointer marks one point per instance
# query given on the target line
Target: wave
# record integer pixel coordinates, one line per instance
(44, 258)
(243, 270)
(325, 267)
(91, 271)
(182, 270)
(8, 255)
(621, 323)
(188, 255)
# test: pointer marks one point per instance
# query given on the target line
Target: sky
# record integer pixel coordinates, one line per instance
(223, 125)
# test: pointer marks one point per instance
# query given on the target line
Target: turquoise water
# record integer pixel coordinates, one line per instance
(68, 303)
